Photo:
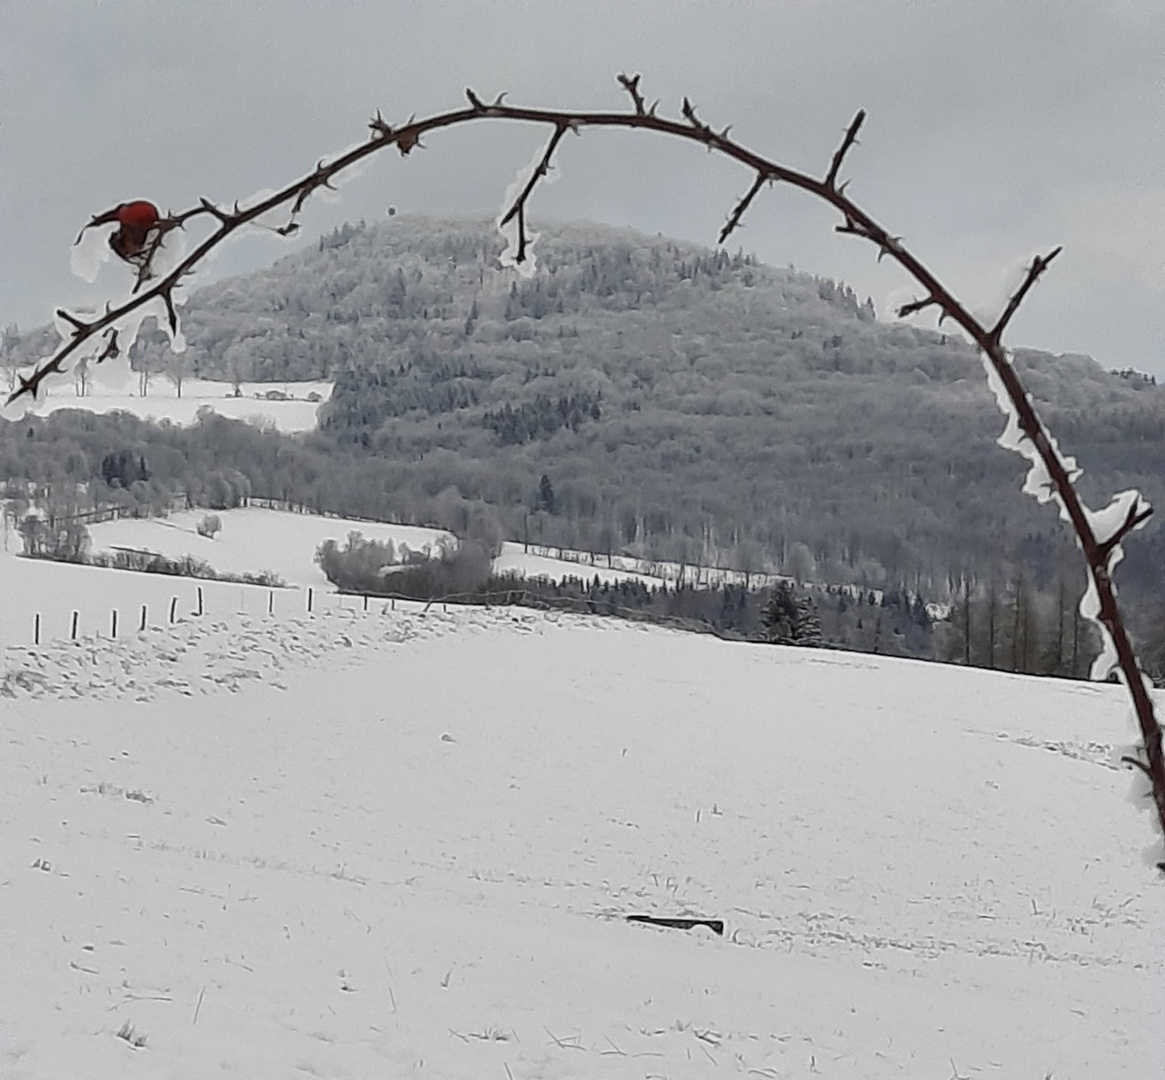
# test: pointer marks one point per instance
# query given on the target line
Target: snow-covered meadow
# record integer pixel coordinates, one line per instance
(296, 413)
(403, 843)
(252, 539)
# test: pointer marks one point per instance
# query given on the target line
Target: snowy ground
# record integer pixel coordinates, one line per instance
(402, 844)
(162, 402)
(251, 540)
(587, 564)
(254, 539)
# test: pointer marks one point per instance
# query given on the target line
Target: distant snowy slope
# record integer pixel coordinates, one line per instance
(403, 843)
(294, 413)
(253, 539)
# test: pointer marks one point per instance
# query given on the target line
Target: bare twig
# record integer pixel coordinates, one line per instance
(855, 221)
(79, 326)
(1039, 264)
(851, 137)
(518, 209)
(916, 306)
(561, 1043)
(630, 83)
(739, 209)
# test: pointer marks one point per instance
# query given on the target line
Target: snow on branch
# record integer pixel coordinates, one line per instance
(142, 241)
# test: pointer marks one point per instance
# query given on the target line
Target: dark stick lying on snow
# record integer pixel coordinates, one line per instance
(1051, 475)
(715, 925)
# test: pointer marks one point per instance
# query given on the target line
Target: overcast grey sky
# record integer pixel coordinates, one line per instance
(996, 130)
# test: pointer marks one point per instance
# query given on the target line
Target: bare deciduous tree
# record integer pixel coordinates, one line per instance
(141, 241)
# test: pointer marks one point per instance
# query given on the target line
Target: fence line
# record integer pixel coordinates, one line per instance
(310, 602)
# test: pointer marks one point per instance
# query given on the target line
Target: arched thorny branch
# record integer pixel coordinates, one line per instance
(1051, 475)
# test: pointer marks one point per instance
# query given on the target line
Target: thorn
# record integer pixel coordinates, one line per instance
(474, 100)
(498, 102)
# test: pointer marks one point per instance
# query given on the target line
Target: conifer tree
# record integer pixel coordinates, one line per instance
(790, 619)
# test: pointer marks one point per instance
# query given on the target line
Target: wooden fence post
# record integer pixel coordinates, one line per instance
(36, 630)
(113, 625)
(143, 626)
(73, 630)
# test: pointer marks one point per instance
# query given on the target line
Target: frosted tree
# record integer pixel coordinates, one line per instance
(151, 248)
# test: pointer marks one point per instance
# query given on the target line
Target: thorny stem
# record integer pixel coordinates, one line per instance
(854, 220)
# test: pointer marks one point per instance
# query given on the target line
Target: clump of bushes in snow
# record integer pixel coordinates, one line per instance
(65, 541)
(150, 562)
(360, 564)
(363, 565)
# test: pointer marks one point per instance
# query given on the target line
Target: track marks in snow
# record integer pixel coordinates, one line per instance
(196, 657)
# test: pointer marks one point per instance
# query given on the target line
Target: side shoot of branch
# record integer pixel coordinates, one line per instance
(1052, 474)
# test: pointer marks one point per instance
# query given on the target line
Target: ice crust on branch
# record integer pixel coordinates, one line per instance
(276, 220)
(519, 256)
(89, 254)
(1038, 484)
(1106, 524)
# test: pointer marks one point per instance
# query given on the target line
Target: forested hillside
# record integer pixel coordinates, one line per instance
(639, 393)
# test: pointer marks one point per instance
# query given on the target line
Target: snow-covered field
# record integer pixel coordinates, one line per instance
(252, 540)
(587, 564)
(162, 402)
(403, 844)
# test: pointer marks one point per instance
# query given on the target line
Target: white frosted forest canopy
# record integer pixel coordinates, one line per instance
(686, 403)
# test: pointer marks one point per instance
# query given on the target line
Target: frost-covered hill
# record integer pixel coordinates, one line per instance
(402, 843)
(684, 403)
